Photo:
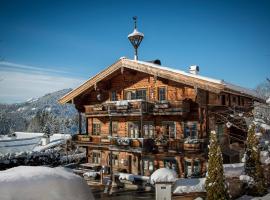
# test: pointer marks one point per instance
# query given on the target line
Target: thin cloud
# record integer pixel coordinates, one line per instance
(14, 66)
(21, 82)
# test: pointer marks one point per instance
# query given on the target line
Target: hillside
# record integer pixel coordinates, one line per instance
(39, 115)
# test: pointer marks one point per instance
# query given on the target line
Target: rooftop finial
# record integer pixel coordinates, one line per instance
(135, 22)
(135, 38)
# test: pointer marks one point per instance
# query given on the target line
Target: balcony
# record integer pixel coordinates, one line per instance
(137, 107)
(131, 144)
(129, 107)
(179, 145)
(87, 140)
(171, 108)
(193, 145)
(119, 108)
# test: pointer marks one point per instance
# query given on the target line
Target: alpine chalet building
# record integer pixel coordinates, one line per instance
(141, 116)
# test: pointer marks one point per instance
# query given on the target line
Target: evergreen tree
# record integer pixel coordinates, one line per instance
(215, 185)
(253, 166)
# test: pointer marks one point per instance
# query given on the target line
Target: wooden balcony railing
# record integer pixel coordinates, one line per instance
(133, 143)
(137, 107)
(83, 138)
(171, 107)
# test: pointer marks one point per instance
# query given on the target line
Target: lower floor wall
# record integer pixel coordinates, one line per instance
(146, 164)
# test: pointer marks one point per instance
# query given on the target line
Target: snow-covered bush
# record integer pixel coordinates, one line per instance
(42, 183)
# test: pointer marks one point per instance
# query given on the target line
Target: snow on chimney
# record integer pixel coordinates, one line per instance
(194, 69)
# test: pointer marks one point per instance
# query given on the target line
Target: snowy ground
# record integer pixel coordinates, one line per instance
(42, 183)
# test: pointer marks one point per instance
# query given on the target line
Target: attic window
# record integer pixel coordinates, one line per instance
(162, 94)
(113, 96)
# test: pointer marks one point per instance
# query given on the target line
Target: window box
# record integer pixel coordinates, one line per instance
(83, 138)
(98, 108)
(136, 143)
(162, 105)
(192, 147)
(123, 141)
(96, 139)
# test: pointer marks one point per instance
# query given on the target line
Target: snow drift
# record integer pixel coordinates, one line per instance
(163, 175)
(42, 183)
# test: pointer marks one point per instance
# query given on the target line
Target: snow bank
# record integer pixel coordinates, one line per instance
(233, 170)
(246, 179)
(246, 197)
(163, 175)
(58, 136)
(128, 177)
(264, 157)
(42, 183)
(92, 174)
(189, 185)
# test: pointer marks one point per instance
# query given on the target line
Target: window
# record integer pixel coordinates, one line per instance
(170, 163)
(148, 130)
(162, 94)
(136, 94)
(234, 99)
(220, 131)
(114, 128)
(188, 169)
(148, 165)
(223, 100)
(141, 94)
(130, 95)
(115, 159)
(190, 130)
(96, 129)
(133, 129)
(169, 129)
(114, 96)
(192, 171)
(196, 168)
(96, 157)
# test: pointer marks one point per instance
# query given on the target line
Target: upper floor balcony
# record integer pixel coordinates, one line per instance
(132, 144)
(137, 107)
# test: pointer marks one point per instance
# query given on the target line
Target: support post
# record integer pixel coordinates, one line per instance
(86, 126)
(80, 123)
(111, 166)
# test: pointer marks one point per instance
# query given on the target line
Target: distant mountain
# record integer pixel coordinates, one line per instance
(43, 114)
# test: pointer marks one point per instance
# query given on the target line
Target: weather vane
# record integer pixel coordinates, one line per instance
(135, 38)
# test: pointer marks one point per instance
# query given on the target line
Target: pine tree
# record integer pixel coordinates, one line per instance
(253, 166)
(215, 185)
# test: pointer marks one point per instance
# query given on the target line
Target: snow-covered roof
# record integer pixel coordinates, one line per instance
(213, 80)
(192, 79)
(28, 182)
(163, 175)
(135, 33)
(190, 185)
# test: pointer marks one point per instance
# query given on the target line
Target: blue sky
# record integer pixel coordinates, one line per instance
(49, 45)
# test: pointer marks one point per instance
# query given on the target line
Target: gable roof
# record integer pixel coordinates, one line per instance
(202, 82)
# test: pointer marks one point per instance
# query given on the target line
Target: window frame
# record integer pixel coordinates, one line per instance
(114, 95)
(115, 123)
(148, 124)
(146, 168)
(135, 124)
(96, 131)
(169, 134)
(96, 157)
(162, 95)
(190, 125)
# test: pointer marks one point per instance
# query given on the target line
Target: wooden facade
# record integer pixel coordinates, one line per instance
(140, 117)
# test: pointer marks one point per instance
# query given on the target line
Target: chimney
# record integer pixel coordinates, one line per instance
(194, 69)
